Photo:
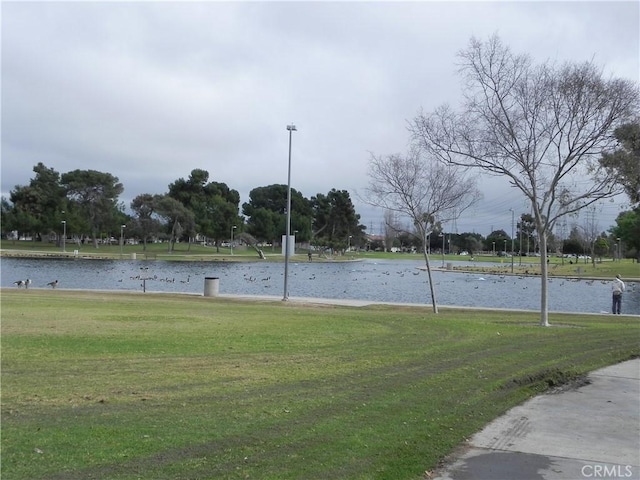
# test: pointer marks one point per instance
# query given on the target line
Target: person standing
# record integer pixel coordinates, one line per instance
(617, 287)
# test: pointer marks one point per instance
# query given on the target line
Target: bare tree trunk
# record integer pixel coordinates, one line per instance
(252, 242)
(430, 280)
(544, 274)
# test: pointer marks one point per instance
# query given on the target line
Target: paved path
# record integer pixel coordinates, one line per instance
(592, 432)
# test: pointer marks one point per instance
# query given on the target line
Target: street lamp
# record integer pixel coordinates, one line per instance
(285, 297)
(231, 244)
(619, 256)
(64, 235)
(520, 246)
(349, 243)
(443, 237)
(505, 246)
(512, 234)
(122, 227)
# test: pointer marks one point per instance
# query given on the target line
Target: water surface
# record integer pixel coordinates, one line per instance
(376, 280)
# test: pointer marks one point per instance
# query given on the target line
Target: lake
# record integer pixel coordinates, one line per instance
(375, 280)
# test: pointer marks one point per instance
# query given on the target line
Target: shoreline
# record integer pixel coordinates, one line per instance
(174, 257)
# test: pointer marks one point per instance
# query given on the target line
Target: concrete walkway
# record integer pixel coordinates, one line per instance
(592, 432)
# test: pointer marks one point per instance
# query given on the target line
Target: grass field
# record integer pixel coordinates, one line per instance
(127, 386)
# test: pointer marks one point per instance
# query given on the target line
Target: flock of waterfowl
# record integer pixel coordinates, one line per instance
(27, 282)
(384, 281)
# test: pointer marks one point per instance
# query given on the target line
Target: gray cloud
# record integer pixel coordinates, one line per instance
(149, 91)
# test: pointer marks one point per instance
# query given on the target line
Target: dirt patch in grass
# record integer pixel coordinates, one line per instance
(546, 379)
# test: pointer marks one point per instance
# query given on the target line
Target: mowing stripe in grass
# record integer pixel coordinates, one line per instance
(106, 386)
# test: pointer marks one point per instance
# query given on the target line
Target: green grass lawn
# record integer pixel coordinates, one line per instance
(182, 251)
(127, 386)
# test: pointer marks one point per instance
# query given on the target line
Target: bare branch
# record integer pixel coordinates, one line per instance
(421, 189)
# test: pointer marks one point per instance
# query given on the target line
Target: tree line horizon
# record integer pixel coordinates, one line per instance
(264, 217)
(87, 202)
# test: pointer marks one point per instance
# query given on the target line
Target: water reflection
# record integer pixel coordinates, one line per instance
(381, 280)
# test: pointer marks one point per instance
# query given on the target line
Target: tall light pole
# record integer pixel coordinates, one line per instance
(520, 249)
(349, 243)
(512, 234)
(443, 237)
(285, 297)
(122, 227)
(231, 244)
(619, 256)
(64, 235)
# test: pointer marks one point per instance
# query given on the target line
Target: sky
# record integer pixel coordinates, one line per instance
(150, 90)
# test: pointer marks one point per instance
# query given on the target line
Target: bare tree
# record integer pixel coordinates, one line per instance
(591, 231)
(426, 192)
(391, 229)
(544, 127)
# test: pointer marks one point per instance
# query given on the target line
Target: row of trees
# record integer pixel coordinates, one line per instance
(86, 203)
(499, 242)
(577, 239)
(84, 200)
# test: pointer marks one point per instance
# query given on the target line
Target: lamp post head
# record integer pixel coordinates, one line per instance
(292, 128)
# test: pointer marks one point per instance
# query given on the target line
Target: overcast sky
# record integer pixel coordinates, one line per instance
(149, 91)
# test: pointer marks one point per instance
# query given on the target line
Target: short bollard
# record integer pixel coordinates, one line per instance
(211, 286)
